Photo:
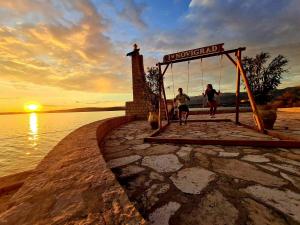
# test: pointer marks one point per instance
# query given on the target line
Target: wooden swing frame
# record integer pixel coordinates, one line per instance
(237, 62)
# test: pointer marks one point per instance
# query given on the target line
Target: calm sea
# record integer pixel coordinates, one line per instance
(26, 138)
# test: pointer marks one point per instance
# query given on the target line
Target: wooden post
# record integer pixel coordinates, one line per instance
(251, 98)
(163, 90)
(159, 103)
(165, 99)
(237, 93)
(165, 70)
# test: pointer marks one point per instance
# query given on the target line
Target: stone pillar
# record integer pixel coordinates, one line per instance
(138, 107)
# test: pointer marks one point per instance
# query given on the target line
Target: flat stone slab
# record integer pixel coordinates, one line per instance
(131, 170)
(138, 182)
(192, 180)
(203, 159)
(161, 149)
(256, 158)
(161, 216)
(151, 196)
(123, 161)
(205, 151)
(141, 146)
(261, 215)
(184, 153)
(245, 171)
(215, 148)
(283, 160)
(162, 163)
(270, 168)
(129, 137)
(290, 155)
(287, 167)
(250, 151)
(228, 154)
(156, 176)
(214, 209)
(293, 179)
(285, 201)
(295, 151)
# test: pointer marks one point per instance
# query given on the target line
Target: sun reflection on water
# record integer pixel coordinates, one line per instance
(33, 131)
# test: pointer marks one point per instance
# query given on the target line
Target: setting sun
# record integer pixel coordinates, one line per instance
(32, 107)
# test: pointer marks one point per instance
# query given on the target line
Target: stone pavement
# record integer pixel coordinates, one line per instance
(287, 122)
(209, 185)
(213, 130)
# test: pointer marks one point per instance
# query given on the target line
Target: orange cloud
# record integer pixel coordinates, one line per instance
(74, 56)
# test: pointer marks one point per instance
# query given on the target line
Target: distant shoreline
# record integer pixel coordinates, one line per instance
(87, 109)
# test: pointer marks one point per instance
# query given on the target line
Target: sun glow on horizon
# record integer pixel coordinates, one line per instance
(33, 136)
(32, 107)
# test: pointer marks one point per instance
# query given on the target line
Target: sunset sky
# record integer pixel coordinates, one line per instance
(72, 53)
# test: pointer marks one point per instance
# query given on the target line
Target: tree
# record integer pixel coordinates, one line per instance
(264, 78)
(153, 83)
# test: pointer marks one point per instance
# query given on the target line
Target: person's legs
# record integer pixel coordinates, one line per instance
(180, 114)
(183, 115)
(214, 107)
(210, 108)
(187, 111)
(186, 116)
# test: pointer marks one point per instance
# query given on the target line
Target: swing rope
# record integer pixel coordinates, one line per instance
(221, 71)
(202, 81)
(220, 77)
(188, 82)
(202, 75)
(173, 80)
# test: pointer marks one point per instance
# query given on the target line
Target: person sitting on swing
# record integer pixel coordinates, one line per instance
(181, 100)
(210, 93)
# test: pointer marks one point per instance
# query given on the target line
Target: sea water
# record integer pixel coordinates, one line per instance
(26, 138)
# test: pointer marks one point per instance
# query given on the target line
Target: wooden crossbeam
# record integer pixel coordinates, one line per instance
(204, 120)
(230, 58)
(205, 56)
(226, 142)
(281, 135)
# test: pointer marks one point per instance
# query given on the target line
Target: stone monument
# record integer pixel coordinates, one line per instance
(138, 107)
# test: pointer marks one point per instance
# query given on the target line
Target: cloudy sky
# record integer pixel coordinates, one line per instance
(71, 53)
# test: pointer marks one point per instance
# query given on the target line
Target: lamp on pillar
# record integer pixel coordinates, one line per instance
(135, 50)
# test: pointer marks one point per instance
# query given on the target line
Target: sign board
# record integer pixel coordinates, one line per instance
(193, 53)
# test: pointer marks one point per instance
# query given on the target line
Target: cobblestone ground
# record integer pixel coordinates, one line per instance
(287, 123)
(210, 185)
(213, 130)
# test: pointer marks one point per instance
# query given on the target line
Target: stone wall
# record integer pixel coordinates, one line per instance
(136, 109)
(73, 185)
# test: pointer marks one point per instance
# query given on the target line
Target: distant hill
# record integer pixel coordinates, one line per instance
(88, 109)
(287, 97)
(85, 109)
(226, 100)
